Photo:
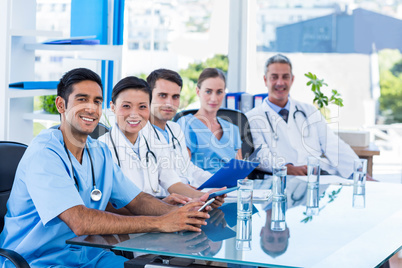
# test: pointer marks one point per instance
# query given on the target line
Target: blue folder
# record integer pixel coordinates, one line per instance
(229, 174)
(35, 84)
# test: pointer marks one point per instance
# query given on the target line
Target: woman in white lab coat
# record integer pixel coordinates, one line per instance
(131, 151)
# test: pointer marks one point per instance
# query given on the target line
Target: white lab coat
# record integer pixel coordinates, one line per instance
(178, 158)
(293, 147)
(149, 178)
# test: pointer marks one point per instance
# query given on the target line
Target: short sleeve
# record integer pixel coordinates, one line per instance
(50, 186)
(189, 134)
(237, 140)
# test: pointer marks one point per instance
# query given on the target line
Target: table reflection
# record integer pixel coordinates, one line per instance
(273, 243)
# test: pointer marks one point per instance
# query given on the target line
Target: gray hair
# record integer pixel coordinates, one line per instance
(278, 58)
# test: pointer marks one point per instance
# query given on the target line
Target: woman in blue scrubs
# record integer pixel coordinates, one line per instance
(211, 141)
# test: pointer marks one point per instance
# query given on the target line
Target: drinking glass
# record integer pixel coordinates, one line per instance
(279, 182)
(244, 198)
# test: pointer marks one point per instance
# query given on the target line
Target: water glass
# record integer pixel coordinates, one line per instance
(313, 199)
(243, 233)
(359, 183)
(279, 182)
(359, 200)
(278, 222)
(244, 198)
(313, 170)
(359, 173)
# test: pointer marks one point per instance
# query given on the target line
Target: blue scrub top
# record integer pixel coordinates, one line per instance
(207, 152)
(44, 187)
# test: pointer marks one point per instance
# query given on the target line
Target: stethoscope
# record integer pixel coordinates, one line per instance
(173, 136)
(96, 194)
(147, 154)
(275, 135)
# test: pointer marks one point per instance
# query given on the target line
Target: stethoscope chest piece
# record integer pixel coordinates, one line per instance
(96, 195)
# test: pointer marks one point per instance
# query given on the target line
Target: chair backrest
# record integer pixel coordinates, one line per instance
(98, 131)
(10, 155)
(236, 118)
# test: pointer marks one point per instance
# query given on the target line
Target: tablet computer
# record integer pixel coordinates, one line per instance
(228, 190)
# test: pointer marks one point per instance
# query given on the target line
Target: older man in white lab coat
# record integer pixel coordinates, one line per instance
(288, 131)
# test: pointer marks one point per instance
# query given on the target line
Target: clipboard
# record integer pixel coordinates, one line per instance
(229, 174)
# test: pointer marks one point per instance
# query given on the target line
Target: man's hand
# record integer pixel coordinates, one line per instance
(176, 199)
(186, 218)
(299, 170)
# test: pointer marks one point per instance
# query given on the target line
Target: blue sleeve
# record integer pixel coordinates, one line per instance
(50, 185)
(189, 134)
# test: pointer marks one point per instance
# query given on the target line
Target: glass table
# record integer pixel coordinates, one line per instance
(339, 236)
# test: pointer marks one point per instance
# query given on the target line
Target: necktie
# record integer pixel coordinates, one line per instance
(285, 114)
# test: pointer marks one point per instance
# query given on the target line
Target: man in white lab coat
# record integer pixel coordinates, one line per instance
(288, 131)
(167, 135)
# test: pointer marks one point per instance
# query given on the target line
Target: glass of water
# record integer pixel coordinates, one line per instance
(313, 170)
(244, 198)
(243, 233)
(278, 222)
(359, 183)
(359, 174)
(279, 182)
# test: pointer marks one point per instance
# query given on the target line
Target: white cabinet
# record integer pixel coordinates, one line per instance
(17, 63)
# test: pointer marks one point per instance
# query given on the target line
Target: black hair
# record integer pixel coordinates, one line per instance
(165, 74)
(131, 82)
(210, 73)
(278, 58)
(75, 76)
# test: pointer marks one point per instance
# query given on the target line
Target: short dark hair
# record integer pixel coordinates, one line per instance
(165, 74)
(131, 82)
(278, 58)
(75, 76)
(210, 73)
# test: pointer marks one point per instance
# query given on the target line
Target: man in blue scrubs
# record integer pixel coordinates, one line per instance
(64, 182)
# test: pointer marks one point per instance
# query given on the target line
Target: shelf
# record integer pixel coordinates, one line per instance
(98, 52)
(41, 115)
(24, 93)
(24, 32)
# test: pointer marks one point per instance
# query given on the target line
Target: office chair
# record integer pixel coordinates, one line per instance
(98, 131)
(239, 119)
(10, 155)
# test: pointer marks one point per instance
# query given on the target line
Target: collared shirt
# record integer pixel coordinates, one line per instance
(136, 146)
(164, 132)
(277, 108)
